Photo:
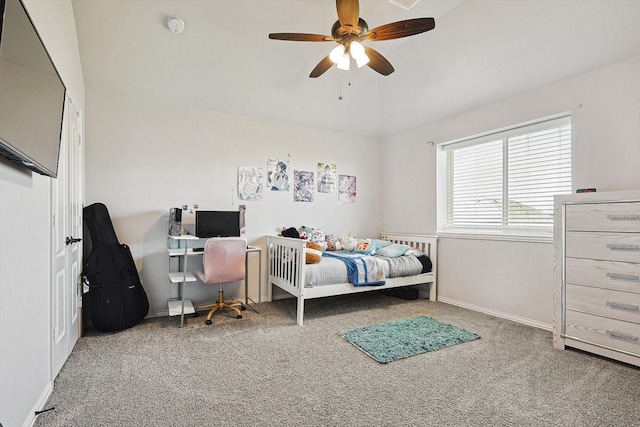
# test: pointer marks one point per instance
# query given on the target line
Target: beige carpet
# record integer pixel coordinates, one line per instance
(264, 370)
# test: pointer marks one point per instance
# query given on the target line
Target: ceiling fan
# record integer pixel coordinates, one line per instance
(349, 31)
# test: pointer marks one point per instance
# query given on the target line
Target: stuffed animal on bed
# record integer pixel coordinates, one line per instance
(314, 253)
(290, 232)
(333, 244)
(348, 243)
(314, 235)
(364, 246)
(305, 232)
(318, 236)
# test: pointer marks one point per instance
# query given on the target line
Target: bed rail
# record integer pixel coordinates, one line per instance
(285, 269)
(427, 244)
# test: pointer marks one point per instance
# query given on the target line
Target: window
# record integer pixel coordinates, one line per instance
(503, 182)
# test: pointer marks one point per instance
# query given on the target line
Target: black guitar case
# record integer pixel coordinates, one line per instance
(116, 297)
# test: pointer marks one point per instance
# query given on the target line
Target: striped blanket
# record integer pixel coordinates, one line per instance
(362, 270)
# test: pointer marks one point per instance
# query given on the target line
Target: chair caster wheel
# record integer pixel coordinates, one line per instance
(243, 308)
(239, 316)
(196, 314)
(208, 322)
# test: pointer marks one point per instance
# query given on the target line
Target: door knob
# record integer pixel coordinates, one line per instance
(70, 240)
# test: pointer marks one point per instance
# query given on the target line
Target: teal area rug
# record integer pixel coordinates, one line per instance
(391, 341)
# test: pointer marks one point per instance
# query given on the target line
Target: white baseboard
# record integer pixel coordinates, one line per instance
(39, 406)
(517, 319)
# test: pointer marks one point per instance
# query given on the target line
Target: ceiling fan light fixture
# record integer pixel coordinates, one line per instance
(337, 54)
(357, 52)
(362, 60)
(356, 49)
(344, 62)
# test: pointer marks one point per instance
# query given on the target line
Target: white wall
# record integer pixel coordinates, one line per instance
(515, 279)
(144, 157)
(25, 282)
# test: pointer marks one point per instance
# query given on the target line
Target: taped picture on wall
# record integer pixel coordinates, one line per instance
(278, 175)
(327, 178)
(303, 186)
(347, 189)
(250, 183)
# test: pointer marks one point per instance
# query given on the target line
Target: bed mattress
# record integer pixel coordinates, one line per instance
(332, 271)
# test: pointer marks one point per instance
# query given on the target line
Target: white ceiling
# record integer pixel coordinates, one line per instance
(479, 52)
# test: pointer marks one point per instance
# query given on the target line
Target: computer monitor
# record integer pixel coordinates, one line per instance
(217, 224)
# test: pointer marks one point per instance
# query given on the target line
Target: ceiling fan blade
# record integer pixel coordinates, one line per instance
(378, 62)
(348, 13)
(322, 66)
(300, 37)
(396, 30)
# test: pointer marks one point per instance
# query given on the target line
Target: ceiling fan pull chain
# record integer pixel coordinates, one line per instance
(340, 91)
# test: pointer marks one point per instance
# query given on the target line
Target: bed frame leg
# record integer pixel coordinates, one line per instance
(432, 291)
(300, 311)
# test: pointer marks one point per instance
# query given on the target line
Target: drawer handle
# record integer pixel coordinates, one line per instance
(623, 217)
(622, 306)
(622, 247)
(618, 276)
(621, 336)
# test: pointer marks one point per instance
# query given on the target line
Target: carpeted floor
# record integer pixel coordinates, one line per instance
(264, 370)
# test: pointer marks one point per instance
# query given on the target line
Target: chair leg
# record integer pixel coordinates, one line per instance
(224, 304)
(236, 302)
(234, 308)
(213, 310)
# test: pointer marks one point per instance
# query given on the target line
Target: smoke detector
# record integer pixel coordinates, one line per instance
(175, 24)
(405, 4)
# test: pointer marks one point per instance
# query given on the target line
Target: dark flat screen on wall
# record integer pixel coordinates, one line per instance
(217, 224)
(32, 94)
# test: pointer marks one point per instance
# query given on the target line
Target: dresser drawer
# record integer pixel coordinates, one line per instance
(614, 304)
(600, 330)
(623, 217)
(619, 276)
(604, 246)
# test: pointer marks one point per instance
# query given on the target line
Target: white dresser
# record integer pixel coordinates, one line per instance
(597, 289)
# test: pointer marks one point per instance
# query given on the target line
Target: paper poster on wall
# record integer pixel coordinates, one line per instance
(278, 175)
(347, 189)
(243, 217)
(327, 178)
(303, 186)
(250, 183)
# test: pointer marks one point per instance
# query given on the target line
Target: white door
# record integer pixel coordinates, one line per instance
(67, 232)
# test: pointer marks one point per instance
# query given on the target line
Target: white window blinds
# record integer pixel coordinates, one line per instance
(504, 182)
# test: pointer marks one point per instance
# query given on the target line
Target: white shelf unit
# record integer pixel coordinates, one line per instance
(179, 306)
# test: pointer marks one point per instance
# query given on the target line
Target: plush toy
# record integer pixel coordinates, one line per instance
(314, 253)
(318, 236)
(305, 232)
(348, 243)
(290, 232)
(333, 244)
(364, 246)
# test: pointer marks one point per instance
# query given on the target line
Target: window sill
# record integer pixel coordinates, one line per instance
(497, 237)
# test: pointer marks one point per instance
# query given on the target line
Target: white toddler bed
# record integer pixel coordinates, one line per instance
(287, 267)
